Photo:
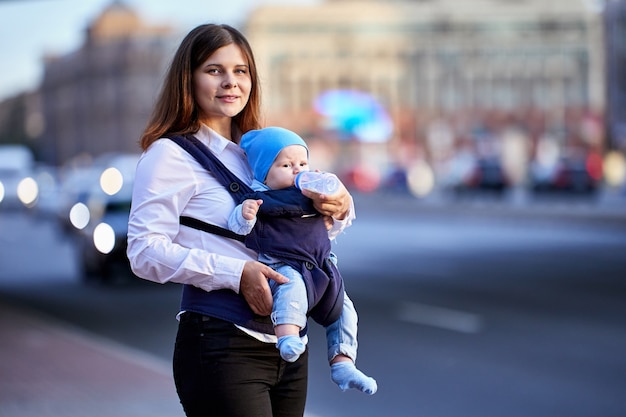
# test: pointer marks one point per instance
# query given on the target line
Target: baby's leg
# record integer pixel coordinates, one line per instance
(289, 313)
(342, 349)
(346, 375)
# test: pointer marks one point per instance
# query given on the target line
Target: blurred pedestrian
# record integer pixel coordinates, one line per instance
(292, 238)
(225, 361)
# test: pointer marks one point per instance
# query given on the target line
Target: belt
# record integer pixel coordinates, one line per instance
(192, 317)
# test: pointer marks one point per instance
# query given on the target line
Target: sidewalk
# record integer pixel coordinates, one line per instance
(48, 369)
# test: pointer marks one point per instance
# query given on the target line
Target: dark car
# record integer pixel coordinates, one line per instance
(94, 207)
(102, 243)
(484, 174)
(569, 175)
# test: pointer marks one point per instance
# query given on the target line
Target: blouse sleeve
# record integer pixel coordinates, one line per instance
(340, 225)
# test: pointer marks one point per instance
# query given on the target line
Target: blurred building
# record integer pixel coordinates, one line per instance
(433, 54)
(477, 64)
(615, 16)
(97, 99)
(483, 76)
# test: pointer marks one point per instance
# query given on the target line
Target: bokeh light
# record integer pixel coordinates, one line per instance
(614, 168)
(111, 181)
(104, 238)
(79, 216)
(27, 191)
(420, 178)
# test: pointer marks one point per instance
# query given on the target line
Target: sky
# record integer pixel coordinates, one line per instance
(30, 29)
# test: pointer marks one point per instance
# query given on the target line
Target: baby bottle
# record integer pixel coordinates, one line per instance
(319, 182)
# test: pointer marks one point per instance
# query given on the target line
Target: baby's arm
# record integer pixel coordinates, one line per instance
(243, 218)
(249, 209)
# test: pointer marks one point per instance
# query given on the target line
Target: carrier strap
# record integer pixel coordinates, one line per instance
(210, 228)
(211, 163)
(230, 181)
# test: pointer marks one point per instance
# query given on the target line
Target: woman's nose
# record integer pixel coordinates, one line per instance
(229, 82)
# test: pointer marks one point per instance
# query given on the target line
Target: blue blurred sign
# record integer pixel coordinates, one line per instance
(355, 114)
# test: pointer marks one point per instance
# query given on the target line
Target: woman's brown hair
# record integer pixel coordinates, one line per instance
(175, 111)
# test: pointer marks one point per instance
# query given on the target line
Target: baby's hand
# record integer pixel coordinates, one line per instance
(249, 208)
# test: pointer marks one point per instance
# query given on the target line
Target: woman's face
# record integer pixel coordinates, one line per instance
(222, 85)
(289, 162)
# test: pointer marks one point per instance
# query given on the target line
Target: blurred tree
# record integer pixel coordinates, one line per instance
(12, 121)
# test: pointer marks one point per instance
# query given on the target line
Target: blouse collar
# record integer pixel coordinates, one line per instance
(216, 142)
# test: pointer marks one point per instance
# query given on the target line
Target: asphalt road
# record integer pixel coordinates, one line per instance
(464, 311)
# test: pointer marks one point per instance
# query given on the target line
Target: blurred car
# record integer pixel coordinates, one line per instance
(75, 186)
(95, 212)
(417, 180)
(579, 174)
(480, 174)
(16, 164)
(361, 178)
(101, 244)
(395, 180)
(47, 203)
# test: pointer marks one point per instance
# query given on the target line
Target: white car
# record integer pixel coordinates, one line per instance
(17, 187)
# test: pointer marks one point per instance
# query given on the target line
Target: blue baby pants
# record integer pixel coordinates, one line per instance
(291, 304)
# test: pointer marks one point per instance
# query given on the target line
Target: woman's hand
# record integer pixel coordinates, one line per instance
(254, 286)
(336, 205)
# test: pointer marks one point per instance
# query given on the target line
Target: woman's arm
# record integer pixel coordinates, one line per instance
(165, 183)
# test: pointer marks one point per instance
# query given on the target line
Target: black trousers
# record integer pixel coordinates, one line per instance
(223, 372)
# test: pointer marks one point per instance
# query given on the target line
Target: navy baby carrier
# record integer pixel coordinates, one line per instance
(325, 289)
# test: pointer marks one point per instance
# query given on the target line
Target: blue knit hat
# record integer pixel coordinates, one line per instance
(263, 146)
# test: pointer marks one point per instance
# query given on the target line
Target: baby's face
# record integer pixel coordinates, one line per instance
(291, 160)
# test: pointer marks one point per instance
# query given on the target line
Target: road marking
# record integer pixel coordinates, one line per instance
(441, 317)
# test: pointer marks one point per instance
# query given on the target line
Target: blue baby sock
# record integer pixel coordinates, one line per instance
(290, 347)
(346, 375)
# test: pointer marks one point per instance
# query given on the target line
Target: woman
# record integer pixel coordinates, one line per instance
(225, 361)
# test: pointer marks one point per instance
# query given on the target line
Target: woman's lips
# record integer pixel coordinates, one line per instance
(228, 98)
